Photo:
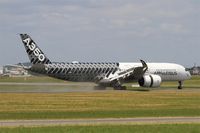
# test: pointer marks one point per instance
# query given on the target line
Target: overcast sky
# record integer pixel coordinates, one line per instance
(102, 30)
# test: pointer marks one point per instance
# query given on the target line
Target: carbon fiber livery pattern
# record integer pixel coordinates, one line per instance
(31, 53)
(104, 74)
(77, 71)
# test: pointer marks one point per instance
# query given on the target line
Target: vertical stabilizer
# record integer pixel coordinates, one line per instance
(35, 54)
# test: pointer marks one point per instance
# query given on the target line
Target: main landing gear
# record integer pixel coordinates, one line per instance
(119, 87)
(180, 86)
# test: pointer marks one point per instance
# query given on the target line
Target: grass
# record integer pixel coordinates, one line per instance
(194, 82)
(159, 128)
(95, 104)
(105, 104)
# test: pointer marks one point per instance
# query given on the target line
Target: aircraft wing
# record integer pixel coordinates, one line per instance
(136, 72)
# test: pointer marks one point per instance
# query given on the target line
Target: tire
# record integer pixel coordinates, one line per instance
(180, 87)
(120, 88)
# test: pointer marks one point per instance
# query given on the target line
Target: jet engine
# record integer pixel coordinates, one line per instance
(150, 81)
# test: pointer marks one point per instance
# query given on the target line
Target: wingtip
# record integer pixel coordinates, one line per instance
(22, 34)
(143, 63)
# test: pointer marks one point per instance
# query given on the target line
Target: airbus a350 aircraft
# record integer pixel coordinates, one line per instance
(108, 74)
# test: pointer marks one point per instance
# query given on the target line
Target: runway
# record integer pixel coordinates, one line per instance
(49, 84)
(13, 87)
(147, 120)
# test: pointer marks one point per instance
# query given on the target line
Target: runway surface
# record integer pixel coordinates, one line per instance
(49, 84)
(148, 120)
(12, 87)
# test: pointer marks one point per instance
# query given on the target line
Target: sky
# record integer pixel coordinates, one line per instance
(102, 30)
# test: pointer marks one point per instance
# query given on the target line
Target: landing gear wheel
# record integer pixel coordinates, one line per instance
(120, 88)
(180, 85)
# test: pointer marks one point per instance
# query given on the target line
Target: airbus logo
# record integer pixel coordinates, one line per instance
(36, 51)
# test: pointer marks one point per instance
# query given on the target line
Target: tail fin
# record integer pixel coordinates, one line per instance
(35, 55)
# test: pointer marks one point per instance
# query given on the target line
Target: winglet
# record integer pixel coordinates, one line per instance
(145, 66)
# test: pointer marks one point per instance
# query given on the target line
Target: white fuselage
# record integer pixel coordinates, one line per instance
(167, 71)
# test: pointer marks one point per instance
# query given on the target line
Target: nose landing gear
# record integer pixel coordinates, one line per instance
(180, 86)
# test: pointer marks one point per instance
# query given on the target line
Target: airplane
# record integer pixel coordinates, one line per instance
(104, 74)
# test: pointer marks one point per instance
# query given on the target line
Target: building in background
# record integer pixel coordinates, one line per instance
(14, 71)
(1, 71)
(195, 70)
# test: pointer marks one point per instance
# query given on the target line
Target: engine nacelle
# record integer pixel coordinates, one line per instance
(150, 81)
